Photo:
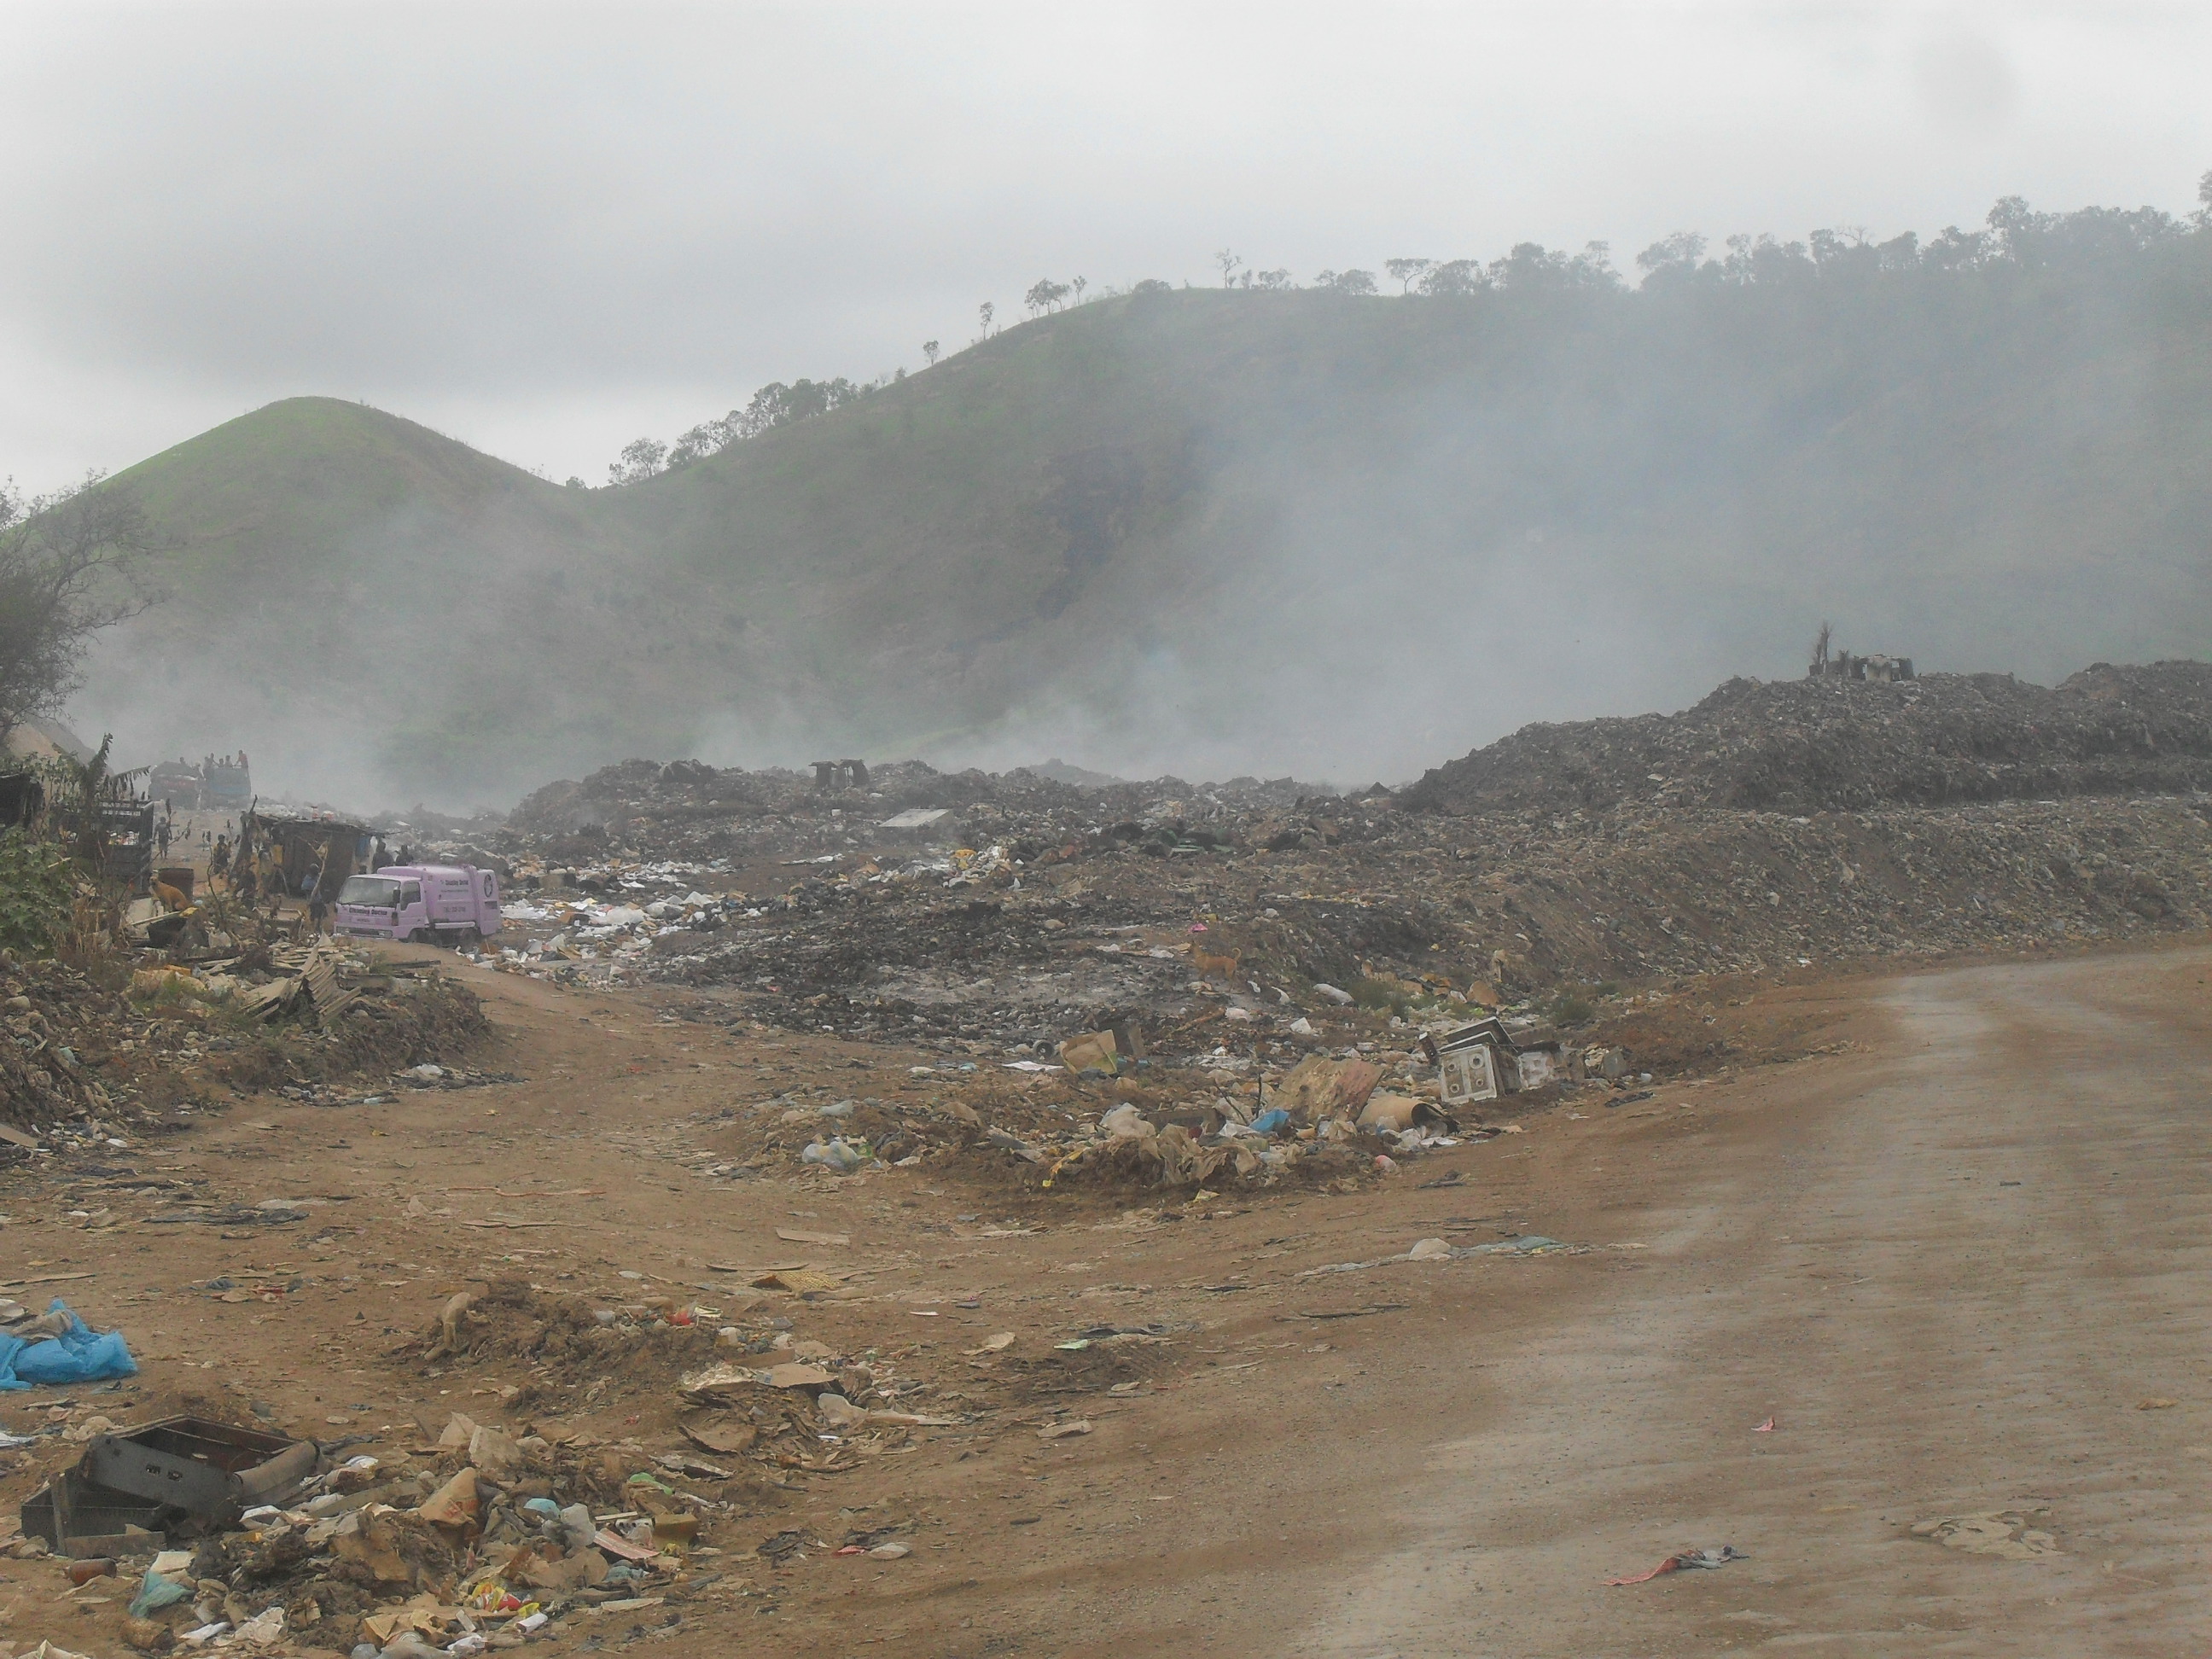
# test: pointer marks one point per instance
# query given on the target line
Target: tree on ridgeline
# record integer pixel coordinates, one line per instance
(69, 566)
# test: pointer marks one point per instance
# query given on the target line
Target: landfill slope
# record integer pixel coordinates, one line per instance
(1829, 745)
(1245, 925)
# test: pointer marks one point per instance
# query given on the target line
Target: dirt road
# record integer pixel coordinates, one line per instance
(1406, 1458)
(1953, 1276)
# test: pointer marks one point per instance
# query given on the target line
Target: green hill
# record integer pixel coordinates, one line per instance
(1229, 532)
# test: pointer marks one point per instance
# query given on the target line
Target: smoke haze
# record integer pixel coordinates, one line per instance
(1224, 534)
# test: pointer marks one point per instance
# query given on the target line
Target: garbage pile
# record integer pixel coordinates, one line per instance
(63, 1034)
(1830, 745)
(688, 810)
(571, 934)
(231, 1537)
(682, 874)
(294, 1016)
(134, 1049)
(1421, 910)
(1016, 911)
(1104, 1114)
(582, 1351)
(1249, 923)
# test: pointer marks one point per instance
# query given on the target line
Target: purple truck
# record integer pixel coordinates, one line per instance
(427, 903)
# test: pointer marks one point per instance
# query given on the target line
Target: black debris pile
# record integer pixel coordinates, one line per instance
(1834, 744)
(998, 916)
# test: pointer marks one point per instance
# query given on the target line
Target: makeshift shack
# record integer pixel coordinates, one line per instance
(285, 851)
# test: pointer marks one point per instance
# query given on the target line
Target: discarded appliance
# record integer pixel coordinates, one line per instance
(142, 1481)
(1474, 1061)
(430, 903)
(1535, 1064)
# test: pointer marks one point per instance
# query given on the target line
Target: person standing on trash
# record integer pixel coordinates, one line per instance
(219, 860)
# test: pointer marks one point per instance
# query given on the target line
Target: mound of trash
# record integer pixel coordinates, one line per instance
(1832, 744)
(63, 1030)
(1105, 1120)
(234, 1537)
(687, 805)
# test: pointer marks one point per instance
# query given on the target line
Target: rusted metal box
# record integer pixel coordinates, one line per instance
(146, 1479)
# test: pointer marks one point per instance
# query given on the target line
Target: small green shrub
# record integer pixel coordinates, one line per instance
(37, 891)
(1572, 1008)
(1380, 996)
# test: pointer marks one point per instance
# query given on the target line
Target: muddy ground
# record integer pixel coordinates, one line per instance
(1954, 1249)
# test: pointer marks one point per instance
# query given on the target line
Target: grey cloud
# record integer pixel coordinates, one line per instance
(540, 227)
(1965, 82)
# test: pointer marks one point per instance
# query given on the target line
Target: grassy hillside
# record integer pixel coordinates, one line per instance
(1224, 532)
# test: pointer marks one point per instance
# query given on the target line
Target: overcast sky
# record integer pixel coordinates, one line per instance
(547, 230)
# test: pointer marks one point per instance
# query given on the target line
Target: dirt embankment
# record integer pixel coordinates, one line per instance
(1820, 746)
(108, 1047)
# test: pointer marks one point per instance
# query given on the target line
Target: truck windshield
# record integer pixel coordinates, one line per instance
(379, 892)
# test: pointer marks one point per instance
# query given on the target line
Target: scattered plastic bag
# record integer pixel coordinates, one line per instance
(76, 1354)
(157, 1591)
(1125, 1123)
(1712, 1559)
(265, 1629)
(838, 1154)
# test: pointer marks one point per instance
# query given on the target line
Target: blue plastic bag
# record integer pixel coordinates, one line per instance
(1268, 1121)
(79, 1354)
(157, 1591)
